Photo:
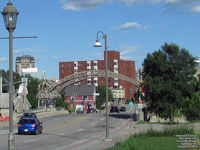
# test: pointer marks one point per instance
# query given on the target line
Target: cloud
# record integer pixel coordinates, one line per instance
(172, 5)
(3, 60)
(128, 26)
(29, 50)
(154, 1)
(126, 51)
(55, 57)
(78, 5)
(195, 9)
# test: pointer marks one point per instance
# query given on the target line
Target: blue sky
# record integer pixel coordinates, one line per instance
(66, 29)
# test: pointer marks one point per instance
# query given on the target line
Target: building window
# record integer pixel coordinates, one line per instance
(62, 65)
(69, 65)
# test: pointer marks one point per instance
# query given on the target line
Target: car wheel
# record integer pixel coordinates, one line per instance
(36, 132)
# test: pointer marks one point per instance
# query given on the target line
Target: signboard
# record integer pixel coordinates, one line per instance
(130, 104)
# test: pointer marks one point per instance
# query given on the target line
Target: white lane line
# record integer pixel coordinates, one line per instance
(61, 134)
(93, 124)
(80, 129)
(102, 119)
(30, 141)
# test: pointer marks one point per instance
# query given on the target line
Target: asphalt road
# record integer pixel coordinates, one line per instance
(69, 131)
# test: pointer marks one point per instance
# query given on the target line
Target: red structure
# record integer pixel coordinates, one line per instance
(115, 64)
(81, 96)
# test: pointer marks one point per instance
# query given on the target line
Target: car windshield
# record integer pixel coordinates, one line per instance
(27, 121)
(29, 115)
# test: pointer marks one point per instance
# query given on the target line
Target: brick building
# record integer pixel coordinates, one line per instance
(115, 64)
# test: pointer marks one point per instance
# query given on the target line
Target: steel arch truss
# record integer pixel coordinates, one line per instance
(79, 76)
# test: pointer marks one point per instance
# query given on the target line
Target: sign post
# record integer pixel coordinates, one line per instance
(131, 108)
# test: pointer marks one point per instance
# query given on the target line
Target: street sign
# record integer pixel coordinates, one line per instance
(130, 104)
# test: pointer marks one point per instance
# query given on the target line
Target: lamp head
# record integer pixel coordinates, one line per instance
(97, 44)
(10, 14)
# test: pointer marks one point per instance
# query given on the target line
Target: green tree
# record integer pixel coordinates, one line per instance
(5, 80)
(60, 102)
(169, 75)
(32, 91)
(191, 107)
(101, 99)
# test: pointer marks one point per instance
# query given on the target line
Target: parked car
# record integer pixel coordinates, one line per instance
(29, 125)
(122, 108)
(79, 110)
(91, 110)
(114, 109)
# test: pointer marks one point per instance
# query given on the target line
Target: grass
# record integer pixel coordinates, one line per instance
(156, 140)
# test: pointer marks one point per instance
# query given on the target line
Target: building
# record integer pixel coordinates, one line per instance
(118, 94)
(198, 69)
(21, 104)
(24, 62)
(139, 74)
(115, 64)
(34, 72)
(81, 96)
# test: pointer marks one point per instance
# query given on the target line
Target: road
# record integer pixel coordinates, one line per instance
(68, 131)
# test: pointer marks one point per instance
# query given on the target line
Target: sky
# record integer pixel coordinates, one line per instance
(66, 30)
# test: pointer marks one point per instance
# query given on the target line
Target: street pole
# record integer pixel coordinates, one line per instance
(98, 44)
(106, 55)
(130, 90)
(11, 142)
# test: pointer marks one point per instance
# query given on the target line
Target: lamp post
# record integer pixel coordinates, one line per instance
(10, 14)
(98, 44)
(130, 102)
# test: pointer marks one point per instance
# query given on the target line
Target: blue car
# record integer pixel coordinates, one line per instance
(29, 125)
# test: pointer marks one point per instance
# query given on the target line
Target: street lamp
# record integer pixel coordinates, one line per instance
(10, 14)
(98, 44)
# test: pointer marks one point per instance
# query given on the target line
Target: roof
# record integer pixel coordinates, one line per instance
(79, 90)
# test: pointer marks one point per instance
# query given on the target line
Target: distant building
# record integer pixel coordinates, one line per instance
(83, 96)
(118, 94)
(198, 69)
(115, 64)
(21, 104)
(24, 62)
(33, 72)
(139, 74)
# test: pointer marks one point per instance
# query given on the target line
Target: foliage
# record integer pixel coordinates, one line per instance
(60, 102)
(168, 79)
(191, 107)
(5, 80)
(32, 91)
(101, 99)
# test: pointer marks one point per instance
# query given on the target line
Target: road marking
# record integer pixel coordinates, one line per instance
(102, 119)
(93, 124)
(80, 129)
(30, 141)
(67, 123)
(61, 134)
